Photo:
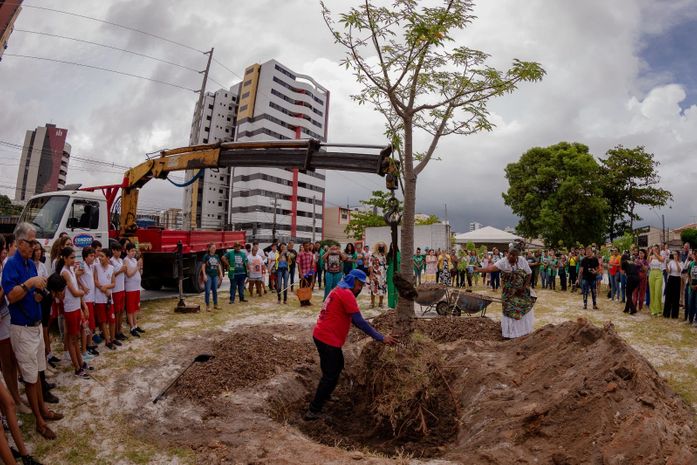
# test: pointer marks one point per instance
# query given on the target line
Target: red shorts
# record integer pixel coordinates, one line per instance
(132, 302)
(56, 309)
(72, 322)
(119, 300)
(90, 318)
(104, 313)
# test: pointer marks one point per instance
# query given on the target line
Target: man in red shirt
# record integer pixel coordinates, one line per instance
(339, 311)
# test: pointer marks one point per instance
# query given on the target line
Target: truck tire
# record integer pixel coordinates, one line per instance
(151, 284)
(197, 284)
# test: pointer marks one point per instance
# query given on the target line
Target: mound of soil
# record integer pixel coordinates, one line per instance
(441, 329)
(243, 359)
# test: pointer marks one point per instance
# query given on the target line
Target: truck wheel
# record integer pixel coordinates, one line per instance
(151, 284)
(198, 285)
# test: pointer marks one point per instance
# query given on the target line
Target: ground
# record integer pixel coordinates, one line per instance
(111, 419)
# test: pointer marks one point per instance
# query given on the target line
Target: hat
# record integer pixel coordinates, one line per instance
(349, 280)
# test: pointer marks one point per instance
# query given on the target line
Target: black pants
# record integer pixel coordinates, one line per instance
(331, 361)
(495, 280)
(534, 277)
(632, 285)
(562, 279)
(671, 306)
(291, 276)
(573, 276)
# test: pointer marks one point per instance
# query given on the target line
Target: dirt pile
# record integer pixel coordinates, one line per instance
(441, 329)
(243, 359)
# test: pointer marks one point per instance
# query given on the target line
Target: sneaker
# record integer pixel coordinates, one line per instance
(244, 300)
(87, 357)
(135, 333)
(49, 386)
(116, 342)
(53, 359)
(93, 351)
(595, 307)
(312, 416)
(81, 373)
(139, 330)
(121, 337)
(111, 346)
(50, 398)
(29, 460)
(87, 367)
(52, 364)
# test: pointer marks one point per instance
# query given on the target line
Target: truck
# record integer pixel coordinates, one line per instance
(90, 213)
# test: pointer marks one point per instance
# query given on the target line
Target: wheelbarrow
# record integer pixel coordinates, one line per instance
(433, 296)
(469, 302)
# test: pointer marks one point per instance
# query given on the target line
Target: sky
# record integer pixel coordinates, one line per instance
(620, 72)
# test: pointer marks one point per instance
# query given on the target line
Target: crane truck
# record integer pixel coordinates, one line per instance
(89, 213)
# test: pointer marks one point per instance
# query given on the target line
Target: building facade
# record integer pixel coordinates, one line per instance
(8, 15)
(334, 226)
(474, 226)
(172, 218)
(43, 165)
(273, 103)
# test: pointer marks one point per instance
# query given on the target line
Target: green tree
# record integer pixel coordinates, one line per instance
(470, 246)
(432, 219)
(555, 192)
(625, 242)
(6, 207)
(427, 86)
(367, 219)
(689, 235)
(629, 179)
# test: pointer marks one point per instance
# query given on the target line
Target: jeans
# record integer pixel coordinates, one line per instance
(237, 283)
(623, 286)
(533, 278)
(589, 285)
(282, 283)
(330, 281)
(543, 278)
(417, 273)
(691, 305)
(212, 285)
(614, 285)
(496, 280)
(331, 361)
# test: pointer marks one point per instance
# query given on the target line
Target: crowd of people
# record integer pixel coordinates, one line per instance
(281, 267)
(90, 301)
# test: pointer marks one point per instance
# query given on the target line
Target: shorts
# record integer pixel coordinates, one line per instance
(104, 313)
(72, 322)
(28, 346)
(119, 300)
(132, 302)
(90, 318)
(5, 327)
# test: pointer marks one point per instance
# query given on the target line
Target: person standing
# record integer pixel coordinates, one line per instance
(271, 266)
(614, 274)
(292, 256)
(691, 313)
(655, 280)
(306, 269)
(332, 269)
(378, 274)
(631, 273)
(588, 273)
(534, 264)
(431, 267)
(562, 272)
(282, 273)
(419, 265)
(445, 276)
(255, 271)
(671, 306)
(516, 297)
(642, 266)
(134, 269)
(211, 274)
(495, 276)
(573, 271)
(235, 261)
(339, 311)
(351, 256)
(23, 289)
(392, 295)
(72, 309)
(319, 270)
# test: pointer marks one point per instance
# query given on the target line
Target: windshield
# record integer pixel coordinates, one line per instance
(45, 213)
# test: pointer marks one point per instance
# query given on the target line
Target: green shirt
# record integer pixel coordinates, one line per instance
(237, 263)
(212, 264)
(418, 262)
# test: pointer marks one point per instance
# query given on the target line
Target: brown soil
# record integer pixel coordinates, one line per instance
(568, 394)
(242, 360)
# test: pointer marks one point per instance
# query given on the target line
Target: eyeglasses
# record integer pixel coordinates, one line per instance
(72, 257)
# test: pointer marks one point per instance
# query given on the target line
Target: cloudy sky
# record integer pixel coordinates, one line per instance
(620, 72)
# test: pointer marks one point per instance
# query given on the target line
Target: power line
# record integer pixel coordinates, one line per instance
(101, 69)
(107, 46)
(228, 69)
(16, 146)
(111, 23)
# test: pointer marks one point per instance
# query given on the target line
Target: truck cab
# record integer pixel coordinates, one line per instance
(82, 215)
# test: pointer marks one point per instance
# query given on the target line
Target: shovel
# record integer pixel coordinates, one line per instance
(201, 358)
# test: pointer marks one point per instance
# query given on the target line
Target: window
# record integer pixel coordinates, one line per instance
(45, 213)
(249, 71)
(205, 141)
(208, 117)
(210, 107)
(245, 95)
(243, 107)
(248, 82)
(84, 214)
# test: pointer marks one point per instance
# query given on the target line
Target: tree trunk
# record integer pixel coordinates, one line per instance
(405, 308)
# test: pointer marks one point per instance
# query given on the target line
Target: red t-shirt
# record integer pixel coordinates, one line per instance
(334, 320)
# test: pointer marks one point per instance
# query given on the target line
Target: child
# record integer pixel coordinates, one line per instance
(104, 282)
(133, 271)
(118, 294)
(87, 284)
(72, 309)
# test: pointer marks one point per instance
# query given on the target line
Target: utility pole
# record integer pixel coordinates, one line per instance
(314, 215)
(446, 214)
(663, 221)
(193, 140)
(273, 231)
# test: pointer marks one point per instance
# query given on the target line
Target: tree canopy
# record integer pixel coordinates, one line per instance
(7, 208)
(689, 235)
(556, 193)
(431, 219)
(427, 86)
(370, 218)
(630, 179)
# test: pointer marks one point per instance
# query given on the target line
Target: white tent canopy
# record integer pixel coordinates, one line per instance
(486, 235)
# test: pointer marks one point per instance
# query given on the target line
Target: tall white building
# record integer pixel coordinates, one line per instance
(274, 103)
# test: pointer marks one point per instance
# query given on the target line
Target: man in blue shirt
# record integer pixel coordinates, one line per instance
(25, 290)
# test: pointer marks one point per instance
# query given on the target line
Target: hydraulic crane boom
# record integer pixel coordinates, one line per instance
(304, 155)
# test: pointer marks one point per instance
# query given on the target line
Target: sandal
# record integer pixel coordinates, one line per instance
(53, 416)
(46, 432)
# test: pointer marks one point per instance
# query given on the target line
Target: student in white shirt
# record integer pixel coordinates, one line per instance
(118, 294)
(72, 309)
(104, 282)
(134, 269)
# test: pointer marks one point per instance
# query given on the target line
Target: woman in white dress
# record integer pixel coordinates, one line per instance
(517, 297)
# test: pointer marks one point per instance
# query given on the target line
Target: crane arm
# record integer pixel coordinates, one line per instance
(302, 154)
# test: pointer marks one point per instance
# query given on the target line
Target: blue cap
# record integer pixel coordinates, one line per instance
(349, 280)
